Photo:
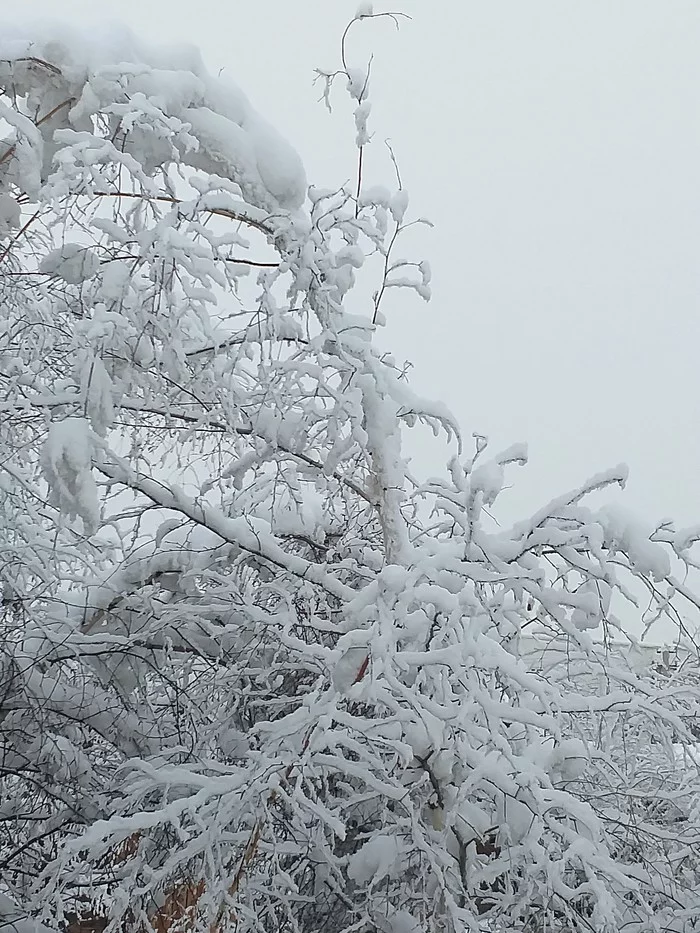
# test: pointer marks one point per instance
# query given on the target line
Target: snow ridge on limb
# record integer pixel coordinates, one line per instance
(164, 94)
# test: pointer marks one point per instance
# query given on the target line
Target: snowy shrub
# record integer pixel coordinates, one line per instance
(254, 674)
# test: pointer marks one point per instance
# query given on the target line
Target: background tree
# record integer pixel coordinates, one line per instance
(253, 671)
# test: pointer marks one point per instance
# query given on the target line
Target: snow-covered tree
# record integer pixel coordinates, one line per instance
(254, 673)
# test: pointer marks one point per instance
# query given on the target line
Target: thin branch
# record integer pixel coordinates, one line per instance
(19, 234)
(51, 113)
(218, 211)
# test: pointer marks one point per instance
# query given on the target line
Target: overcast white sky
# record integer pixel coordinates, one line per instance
(556, 147)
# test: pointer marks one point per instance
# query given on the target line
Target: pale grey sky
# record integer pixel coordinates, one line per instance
(556, 147)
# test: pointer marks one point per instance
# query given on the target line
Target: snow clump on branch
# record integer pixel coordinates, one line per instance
(209, 120)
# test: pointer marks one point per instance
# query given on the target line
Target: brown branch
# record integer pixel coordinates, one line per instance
(19, 233)
(36, 61)
(69, 100)
(51, 113)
